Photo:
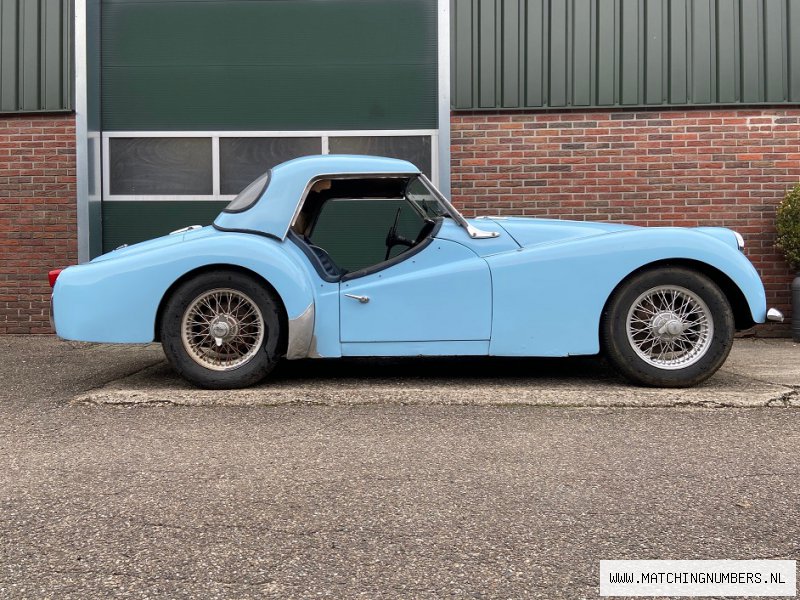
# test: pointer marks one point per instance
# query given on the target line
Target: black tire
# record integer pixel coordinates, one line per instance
(622, 352)
(257, 366)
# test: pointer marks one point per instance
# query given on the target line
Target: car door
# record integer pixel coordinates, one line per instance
(442, 293)
(422, 295)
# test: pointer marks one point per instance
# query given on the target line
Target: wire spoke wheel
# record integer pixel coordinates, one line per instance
(670, 327)
(222, 329)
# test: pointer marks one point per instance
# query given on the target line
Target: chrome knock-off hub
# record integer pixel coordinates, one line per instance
(223, 329)
(667, 325)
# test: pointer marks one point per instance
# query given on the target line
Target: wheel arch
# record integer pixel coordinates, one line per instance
(191, 274)
(742, 315)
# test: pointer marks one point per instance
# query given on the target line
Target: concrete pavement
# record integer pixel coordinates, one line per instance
(378, 500)
(758, 373)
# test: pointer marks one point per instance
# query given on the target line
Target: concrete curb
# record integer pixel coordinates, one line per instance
(158, 385)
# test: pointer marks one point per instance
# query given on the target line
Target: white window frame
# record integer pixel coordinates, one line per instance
(215, 137)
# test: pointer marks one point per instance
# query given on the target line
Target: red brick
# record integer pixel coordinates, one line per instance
(38, 228)
(681, 167)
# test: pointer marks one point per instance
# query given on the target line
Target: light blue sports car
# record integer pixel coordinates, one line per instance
(331, 256)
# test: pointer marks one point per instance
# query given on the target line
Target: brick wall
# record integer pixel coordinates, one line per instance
(689, 167)
(37, 215)
(681, 168)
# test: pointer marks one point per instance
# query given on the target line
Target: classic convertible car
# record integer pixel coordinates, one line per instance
(331, 256)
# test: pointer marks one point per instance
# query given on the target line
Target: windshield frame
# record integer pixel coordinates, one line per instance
(473, 232)
(421, 210)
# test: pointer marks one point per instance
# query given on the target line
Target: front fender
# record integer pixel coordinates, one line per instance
(116, 298)
(548, 299)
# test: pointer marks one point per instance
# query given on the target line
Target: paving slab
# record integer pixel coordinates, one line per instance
(758, 374)
(773, 360)
(36, 366)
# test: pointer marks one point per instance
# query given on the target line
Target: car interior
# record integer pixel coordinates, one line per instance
(350, 226)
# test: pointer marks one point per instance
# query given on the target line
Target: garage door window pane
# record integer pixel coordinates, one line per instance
(160, 166)
(241, 160)
(413, 148)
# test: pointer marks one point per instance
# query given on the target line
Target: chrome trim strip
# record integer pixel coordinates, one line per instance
(215, 174)
(81, 132)
(183, 230)
(271, 132)
(773, 314)
(301, 335)
(442, 160)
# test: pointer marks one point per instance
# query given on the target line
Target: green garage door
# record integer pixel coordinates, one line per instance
(199, 97)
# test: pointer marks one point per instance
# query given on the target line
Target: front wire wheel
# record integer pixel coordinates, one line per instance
(668, 327)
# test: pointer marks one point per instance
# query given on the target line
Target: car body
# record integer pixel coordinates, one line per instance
(500, 286)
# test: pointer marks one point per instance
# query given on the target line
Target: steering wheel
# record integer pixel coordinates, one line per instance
(392, 239)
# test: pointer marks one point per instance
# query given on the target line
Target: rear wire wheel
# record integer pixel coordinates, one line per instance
(221, 330)
(670, 327)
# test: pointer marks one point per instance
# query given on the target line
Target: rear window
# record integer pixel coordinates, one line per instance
(249, 195)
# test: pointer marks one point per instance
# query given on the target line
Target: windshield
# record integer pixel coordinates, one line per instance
(249, 195)
(422, 197)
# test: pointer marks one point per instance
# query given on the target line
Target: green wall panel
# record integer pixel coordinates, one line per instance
(607, 50)
(268, 64)
(793, 25)
(36, 55)
(131, 222)
(727, 51)
(575, 53)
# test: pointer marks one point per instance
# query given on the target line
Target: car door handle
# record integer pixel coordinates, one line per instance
(362, 299)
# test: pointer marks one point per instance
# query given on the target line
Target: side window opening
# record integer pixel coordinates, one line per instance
(360, 223)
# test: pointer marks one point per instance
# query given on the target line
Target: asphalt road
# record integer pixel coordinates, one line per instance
(377, 500)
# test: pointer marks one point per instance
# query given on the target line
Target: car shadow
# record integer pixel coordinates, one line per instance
(475, 368)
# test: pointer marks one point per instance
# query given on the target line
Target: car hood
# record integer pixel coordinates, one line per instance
(529, 231)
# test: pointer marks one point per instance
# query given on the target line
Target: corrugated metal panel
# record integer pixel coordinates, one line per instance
(264, 64)
(583, 53)
(35, 55)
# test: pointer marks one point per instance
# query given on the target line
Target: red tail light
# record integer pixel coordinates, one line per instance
(53, 275)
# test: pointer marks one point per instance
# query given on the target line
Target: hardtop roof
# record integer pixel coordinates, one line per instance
(273, 212)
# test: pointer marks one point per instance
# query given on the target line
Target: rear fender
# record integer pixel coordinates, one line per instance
(116, 299)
